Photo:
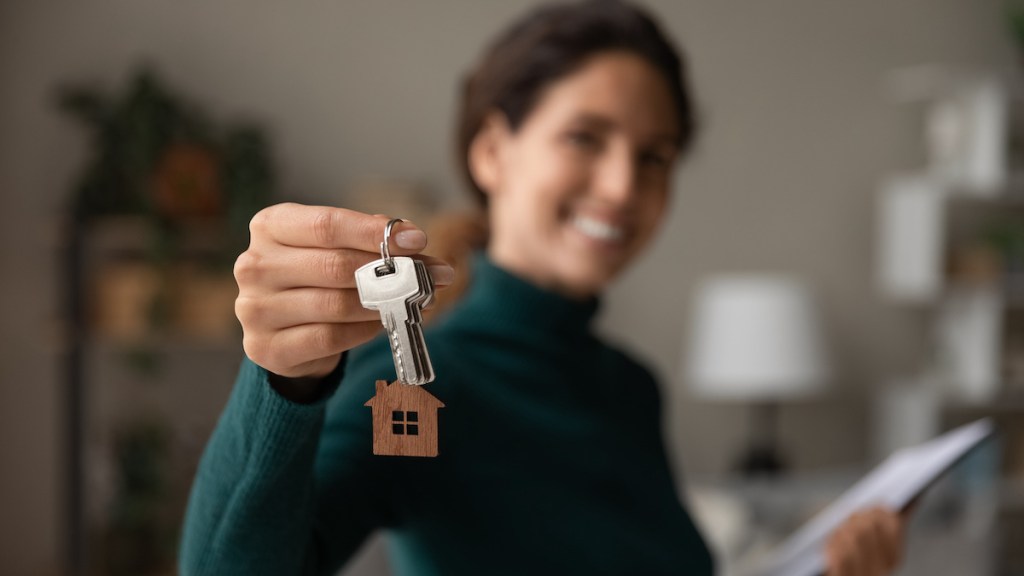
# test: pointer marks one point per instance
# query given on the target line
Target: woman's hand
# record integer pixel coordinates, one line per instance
(297, 299)
(869, 543)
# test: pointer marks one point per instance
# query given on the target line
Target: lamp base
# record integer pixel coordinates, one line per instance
(763, 461)
(762, 457)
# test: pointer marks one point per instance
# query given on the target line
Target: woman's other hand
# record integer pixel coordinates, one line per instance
(297, 298)
(869, 543)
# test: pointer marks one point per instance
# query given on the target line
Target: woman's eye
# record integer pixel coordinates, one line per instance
(654, 159)
(584, 140)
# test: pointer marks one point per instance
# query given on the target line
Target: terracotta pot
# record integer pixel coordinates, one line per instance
(204, 304)
(187, 184)
(122, 300)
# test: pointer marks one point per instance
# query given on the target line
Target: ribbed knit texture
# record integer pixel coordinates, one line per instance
(551, 459)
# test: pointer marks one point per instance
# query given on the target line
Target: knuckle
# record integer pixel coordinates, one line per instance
(326, 338)
(373, 227)
(325, 227)
(334, 303)
(255, 348)
(335, 267)
(246, 269)
(258, 223)
(276, 356)
(248, 311)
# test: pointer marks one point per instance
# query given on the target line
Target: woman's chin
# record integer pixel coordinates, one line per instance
(588, 276)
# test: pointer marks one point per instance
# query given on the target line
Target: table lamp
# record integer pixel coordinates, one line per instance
(756, 338)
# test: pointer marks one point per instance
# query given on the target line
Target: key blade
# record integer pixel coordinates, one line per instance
(399, 297)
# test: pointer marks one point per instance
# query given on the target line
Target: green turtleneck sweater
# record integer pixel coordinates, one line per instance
(551, 459)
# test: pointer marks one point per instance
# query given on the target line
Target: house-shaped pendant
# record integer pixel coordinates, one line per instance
(404, 420)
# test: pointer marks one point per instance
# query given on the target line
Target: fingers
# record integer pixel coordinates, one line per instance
(329, 227)
(308, 267)
(286, 268)
(880, 537)
(299, 306)
(441, 273)
(893, 527)
(842, 554)
(309, 349)
(297, 301)
(869, 543)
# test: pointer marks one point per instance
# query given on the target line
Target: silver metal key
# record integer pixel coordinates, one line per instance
(419, 344)
(399, 292)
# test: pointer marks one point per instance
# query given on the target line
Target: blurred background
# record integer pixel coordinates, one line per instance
(855, 190)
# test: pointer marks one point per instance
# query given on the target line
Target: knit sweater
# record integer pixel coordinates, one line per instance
(551, 458)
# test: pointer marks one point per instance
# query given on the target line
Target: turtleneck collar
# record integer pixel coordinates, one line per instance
(498, 295)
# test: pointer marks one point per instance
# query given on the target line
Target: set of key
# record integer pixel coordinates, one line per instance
(399, 288)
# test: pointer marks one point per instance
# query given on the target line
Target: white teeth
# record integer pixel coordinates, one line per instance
(597, 229)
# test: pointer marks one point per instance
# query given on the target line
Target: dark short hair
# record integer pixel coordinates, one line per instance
(551, 42)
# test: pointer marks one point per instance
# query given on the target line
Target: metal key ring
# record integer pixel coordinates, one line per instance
(385, 251)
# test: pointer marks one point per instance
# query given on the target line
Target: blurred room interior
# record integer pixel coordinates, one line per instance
(858, 177)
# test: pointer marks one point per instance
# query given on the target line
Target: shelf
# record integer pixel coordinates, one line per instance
(1011, 301)
(166, 343)
(1009, 403)
(134, 235)
(1009, 194)
(1007, 200)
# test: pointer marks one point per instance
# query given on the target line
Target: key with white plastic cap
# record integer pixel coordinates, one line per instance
(398, 288)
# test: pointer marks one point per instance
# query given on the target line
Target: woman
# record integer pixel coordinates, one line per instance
(551, 454)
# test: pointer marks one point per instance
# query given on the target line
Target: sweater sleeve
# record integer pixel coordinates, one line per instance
(278, 491)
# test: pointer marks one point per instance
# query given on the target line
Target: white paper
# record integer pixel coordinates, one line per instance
(893, 484)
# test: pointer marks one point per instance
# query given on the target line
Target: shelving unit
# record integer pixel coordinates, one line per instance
(937, 255)
(131, 380)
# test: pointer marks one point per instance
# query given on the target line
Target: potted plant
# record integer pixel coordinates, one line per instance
(159, 160)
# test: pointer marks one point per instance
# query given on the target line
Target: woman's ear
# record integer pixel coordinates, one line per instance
(486, 152)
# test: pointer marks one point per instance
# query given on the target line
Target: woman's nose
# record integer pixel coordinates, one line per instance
(616, 176)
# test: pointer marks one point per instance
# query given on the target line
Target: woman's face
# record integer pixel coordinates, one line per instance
(581, 186)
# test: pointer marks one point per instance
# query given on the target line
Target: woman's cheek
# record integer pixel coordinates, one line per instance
(569, 168)
(652, 215)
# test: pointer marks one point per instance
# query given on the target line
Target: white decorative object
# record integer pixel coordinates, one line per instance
(755, 337)
(967, 136)
(966, 124)
(969, 330)
(911, 217)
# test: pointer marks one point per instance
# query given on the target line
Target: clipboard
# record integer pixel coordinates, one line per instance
(894, 484)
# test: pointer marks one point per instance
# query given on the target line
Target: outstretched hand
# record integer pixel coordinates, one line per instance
(297, 299)
(869, 543)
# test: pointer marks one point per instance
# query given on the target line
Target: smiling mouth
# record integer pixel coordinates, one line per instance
(598, 230)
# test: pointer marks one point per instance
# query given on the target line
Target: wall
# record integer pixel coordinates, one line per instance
(797, 131)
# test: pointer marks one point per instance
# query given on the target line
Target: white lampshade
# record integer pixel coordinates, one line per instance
(755, 337)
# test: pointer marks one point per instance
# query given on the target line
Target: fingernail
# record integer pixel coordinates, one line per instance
(441, 274)
(411, 239)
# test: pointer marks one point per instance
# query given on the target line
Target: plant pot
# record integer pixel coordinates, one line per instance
(123, 299)
(204, 304)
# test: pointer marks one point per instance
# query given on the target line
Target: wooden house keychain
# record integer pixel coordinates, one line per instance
(404, 413)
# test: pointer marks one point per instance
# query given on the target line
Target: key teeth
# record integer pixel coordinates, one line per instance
(396, 352)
